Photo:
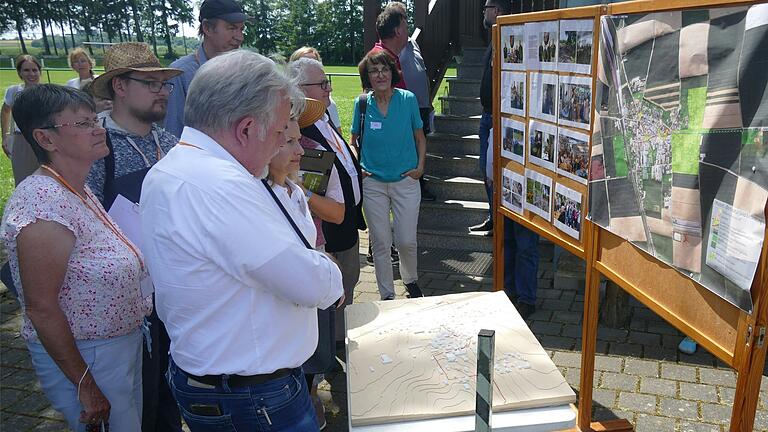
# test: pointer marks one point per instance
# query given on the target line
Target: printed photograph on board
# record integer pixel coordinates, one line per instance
(513, 140)
(544, 95)
(575, 46)
(541, 146)
(512, 190)
(513, 47)
(513, 89)
(575, 101)
(573, 155)
(567, 211)
(538, 193)
(541, 39)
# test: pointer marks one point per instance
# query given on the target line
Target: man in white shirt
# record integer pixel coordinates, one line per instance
(235, 286)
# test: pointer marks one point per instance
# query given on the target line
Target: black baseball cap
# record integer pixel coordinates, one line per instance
(227, 10)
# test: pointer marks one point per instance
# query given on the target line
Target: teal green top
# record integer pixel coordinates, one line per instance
(388, 148)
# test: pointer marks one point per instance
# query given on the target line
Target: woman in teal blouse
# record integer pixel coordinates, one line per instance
(392, 147)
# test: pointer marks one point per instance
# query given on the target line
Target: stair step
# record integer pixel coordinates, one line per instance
(453, 145)
(452, 214)
(463, 87)
(456, 125)
(469, 70)
(464, 165)
(457, 239)
(459, 188)
(473, 264)
(461, 105)
(473, 54)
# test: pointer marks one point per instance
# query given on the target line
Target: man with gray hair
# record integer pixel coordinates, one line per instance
(230, 269)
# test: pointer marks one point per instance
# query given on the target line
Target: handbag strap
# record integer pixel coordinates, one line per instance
(287, 216)
(362, 104)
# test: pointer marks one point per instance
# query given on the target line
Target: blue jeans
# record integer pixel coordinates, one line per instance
(486, 123)
(521, 262)
(282, 404)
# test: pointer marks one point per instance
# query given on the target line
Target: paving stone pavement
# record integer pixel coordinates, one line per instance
(639, 375)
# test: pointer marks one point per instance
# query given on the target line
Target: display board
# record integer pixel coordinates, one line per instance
(417, 359)
(683, 140)
(545, 103)
(558, 87)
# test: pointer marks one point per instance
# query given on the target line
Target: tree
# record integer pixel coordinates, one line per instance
(297, 24)
(136, 19)
(15, 16)
(260, 33)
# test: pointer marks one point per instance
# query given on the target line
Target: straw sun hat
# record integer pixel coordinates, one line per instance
(313, 112)
(127, 57)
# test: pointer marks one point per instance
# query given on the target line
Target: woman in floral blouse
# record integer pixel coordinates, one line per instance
(78, 275)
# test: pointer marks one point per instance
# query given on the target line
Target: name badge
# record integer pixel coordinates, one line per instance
(375, 125)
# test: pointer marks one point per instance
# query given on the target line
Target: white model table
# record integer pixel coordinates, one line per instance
(411, 365)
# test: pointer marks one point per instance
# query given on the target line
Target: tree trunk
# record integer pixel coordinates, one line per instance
(154, 35)
(88, 38)
(47, 47)
(136, 21)
(167, 29)
(128, 35)
(351, 31)
(71, 28)
(53, 37)
(21, 37)
(63, 37)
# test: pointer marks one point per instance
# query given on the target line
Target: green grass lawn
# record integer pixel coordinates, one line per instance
(345, 90)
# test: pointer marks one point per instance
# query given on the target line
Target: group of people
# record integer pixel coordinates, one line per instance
(226, 306)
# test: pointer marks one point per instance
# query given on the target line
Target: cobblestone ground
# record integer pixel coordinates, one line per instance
(639, 375)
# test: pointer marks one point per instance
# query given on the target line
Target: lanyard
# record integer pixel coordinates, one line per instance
(336, 143)
(158, 149)
(94, 207)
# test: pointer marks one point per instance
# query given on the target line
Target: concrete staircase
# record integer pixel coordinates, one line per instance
(454, 177)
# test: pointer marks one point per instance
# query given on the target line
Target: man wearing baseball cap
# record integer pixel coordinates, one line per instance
(221, 29)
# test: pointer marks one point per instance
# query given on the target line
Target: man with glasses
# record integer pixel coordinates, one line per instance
(221, 30)
(138, 86)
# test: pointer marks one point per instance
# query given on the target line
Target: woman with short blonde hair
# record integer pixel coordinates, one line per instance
(83, 64)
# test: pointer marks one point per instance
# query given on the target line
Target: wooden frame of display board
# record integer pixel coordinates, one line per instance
(732, 335)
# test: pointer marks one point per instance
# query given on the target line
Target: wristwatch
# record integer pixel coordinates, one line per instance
(308, 194)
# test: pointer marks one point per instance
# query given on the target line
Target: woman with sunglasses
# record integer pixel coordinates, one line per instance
(392, 149)
(23, 161)
(82, 314)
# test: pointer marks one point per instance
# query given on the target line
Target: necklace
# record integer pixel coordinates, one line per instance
(97, 210)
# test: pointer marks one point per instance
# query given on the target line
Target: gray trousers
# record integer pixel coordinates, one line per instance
(349, 264)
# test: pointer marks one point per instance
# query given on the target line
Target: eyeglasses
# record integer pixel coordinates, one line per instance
(154, 86)
(486, 7)
(324, 84)
(84, 124)
(379, 72)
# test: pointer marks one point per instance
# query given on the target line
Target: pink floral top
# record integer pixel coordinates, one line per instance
(100, 295)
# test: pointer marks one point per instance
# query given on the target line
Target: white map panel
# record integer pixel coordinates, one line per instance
(416, 359)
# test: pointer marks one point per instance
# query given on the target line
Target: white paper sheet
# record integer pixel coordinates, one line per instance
(734, 243)
(513, 140)
(126, 215)
(512, 190)
(567, 209)
(538, 194)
